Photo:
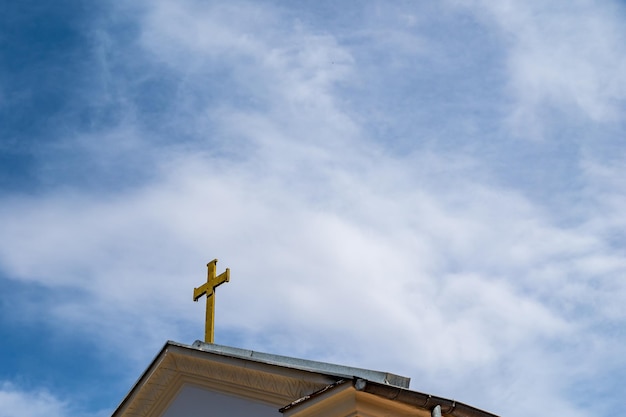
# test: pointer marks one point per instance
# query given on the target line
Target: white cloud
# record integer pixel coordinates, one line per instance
(32, 403)
(567, 56)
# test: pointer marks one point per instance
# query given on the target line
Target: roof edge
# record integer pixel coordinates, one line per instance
(143, 377)
(421, 400)
(341, 371)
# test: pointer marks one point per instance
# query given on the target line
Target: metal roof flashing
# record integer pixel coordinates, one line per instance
(324, 368)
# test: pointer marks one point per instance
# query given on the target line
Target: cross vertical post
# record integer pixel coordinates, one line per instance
(208, 289)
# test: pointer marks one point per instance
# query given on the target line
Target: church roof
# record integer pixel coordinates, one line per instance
(330, 369)
(281, 382)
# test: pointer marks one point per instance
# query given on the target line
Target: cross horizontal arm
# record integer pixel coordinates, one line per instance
(221, 278)
(201, 290)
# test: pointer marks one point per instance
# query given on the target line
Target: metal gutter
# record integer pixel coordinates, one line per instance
(339, 371)
(420, 400)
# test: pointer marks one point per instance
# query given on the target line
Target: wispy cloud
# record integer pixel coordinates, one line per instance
(563, 58)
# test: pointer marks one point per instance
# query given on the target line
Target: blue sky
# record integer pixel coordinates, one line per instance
(431, 189)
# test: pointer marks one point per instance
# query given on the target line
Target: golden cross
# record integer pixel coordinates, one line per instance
(208, 289)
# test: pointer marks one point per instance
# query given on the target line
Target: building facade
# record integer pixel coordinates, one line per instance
(205, 379)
